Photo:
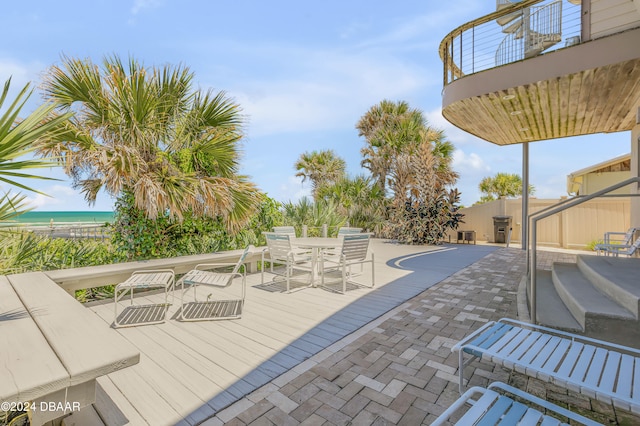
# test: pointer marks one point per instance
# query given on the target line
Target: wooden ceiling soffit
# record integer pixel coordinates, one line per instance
(599, 100)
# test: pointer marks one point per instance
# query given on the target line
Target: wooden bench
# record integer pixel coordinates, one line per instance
(601, 370)
(491, 407)
(52, 348)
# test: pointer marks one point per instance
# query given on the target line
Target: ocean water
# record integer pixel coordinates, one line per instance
(40, 218)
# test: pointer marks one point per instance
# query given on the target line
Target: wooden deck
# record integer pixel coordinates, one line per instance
(189, 371)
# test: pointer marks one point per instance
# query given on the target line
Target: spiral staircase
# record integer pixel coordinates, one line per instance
(529, 31)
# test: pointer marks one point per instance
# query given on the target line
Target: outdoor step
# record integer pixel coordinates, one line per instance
(550, 310)
(616, 277)
(508, 26)
(582, 298)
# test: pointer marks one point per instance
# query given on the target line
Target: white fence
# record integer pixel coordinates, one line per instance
(575, 228)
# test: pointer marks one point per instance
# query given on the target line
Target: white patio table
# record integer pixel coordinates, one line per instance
(316, 244)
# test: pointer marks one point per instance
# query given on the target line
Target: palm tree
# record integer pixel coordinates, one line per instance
(359, 199)
(313, 214)
(321, 168)
(17, 139)
(502, 185)
(147, 132)
(389, 128)
(412, 161)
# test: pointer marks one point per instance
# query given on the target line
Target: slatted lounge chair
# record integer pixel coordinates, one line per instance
(601, 370)
(618, 249)
(353, 252)
(623, 238)
(143, 314)
(279, 251)
(491, 406)
(221, 306)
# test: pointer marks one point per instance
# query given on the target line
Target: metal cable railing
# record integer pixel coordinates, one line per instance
(513, 33)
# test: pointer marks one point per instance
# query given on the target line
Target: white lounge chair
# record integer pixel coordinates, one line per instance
(601, 370)
(492, 406)
(279, 251)
(137, 314)
(623, 238)
(353, 252)
(218, 306)
(618, 249)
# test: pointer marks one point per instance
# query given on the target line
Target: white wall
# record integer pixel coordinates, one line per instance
(613, 16)
(593, 182)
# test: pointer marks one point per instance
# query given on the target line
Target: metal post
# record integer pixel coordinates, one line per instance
(532, 267)
(525, 195)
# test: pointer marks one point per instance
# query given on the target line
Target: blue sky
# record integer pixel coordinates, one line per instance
(303, 73)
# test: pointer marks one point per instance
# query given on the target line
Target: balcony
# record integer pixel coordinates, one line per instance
(537, 70)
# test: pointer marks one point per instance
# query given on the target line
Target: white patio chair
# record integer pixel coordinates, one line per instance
(353, 252)
(346, 230)
(618, 249)
(289, 230)
(279, 251)
(144, 314)
(219, 306)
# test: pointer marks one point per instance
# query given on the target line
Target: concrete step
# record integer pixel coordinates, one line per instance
(587, 304)
(599, 316)
(618, 278)
(551, 311)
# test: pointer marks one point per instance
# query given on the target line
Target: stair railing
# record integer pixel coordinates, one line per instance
(545, 28)
(539, 25)
(557, 208)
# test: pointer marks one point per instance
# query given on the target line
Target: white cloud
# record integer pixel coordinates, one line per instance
(329, 90)
(20, 74)
(56, 196)
(293, 189)
(140, 5)
(469, 163)
(425, 27)
(553, 186)
(454, 134)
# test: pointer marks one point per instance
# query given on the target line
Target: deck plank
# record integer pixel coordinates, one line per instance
(219, 362)
(183, 359)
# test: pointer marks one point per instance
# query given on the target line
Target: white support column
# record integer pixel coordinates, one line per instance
(525, 195)
(635, 171)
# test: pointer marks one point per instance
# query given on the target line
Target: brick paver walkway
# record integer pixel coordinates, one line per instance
(399, 369)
